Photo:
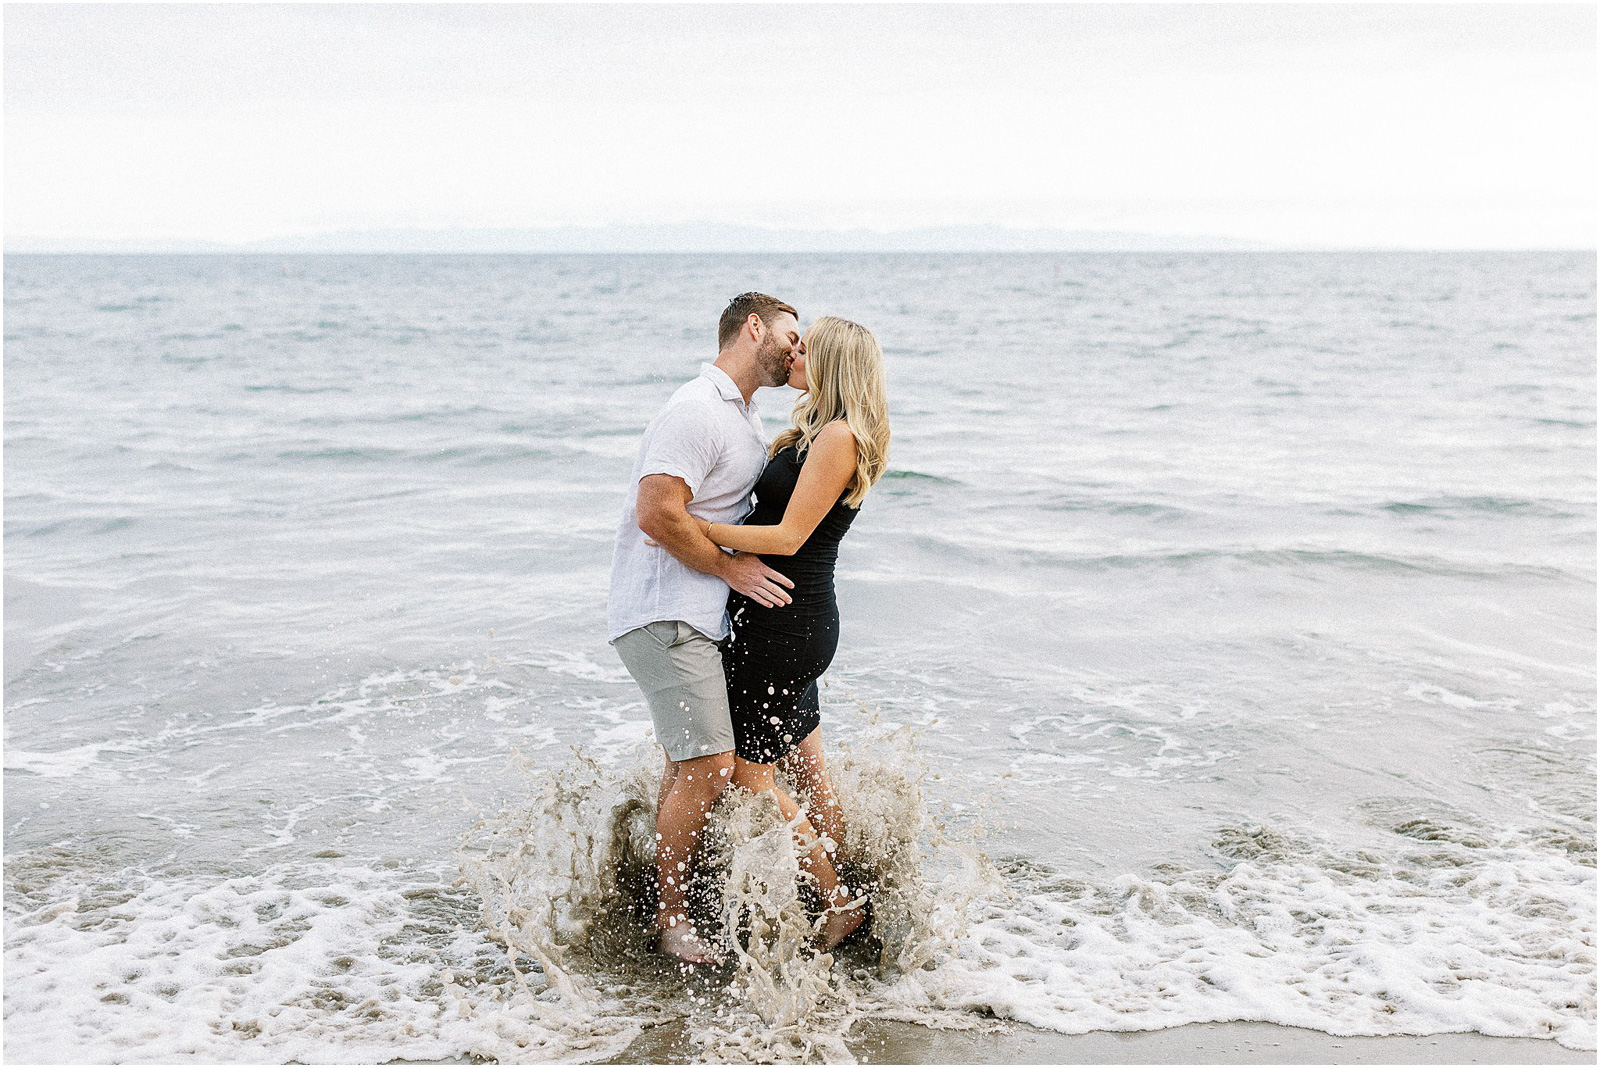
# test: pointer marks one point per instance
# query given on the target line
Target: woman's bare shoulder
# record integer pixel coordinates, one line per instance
(837, 434)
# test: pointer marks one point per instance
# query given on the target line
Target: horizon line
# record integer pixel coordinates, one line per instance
(1264, 250)
(705, 237)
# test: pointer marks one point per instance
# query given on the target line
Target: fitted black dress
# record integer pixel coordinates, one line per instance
(774, 656)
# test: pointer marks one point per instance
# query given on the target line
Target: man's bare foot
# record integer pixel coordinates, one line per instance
(682, 941)
(841, 920)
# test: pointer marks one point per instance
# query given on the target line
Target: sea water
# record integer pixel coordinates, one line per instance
(1219, 646)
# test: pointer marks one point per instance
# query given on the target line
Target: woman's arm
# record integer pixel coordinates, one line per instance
(830, 463)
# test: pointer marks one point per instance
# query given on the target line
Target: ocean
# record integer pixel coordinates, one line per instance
(1220, 645)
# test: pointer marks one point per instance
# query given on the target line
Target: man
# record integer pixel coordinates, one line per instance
(700, 458)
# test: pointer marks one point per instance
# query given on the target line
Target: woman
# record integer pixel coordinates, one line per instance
(818, 472)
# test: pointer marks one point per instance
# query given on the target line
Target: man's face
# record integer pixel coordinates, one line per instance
(778, 349)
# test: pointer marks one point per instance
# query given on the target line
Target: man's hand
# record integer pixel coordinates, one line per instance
(746, 573)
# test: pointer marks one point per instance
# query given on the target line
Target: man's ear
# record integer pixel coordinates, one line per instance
(754, 327)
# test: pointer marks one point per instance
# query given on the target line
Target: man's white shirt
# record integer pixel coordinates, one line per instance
(709, 437)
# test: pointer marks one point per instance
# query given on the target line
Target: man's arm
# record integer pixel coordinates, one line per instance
(663, 511)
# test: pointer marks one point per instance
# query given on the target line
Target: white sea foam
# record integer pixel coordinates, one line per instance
(313, 963)
(578, 666)
(1497, 940)
(542, 953)
(62, 762)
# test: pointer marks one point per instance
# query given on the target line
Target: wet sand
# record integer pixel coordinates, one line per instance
(1222, 1043)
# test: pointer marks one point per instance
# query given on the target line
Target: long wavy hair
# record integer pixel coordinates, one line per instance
(845, 380)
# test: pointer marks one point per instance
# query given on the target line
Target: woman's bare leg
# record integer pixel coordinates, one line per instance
(841, 917)
(810, 775)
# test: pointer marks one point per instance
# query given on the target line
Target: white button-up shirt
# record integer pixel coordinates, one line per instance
(709, 437)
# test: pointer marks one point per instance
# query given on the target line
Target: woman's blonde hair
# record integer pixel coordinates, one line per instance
(844, 380)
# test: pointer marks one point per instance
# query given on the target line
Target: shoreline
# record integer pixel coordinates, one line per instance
(1235, 1042)
(894, 1042)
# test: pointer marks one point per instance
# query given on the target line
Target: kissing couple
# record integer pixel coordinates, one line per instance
(725, 614)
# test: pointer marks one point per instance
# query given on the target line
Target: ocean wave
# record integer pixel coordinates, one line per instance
(540, 952)
(1270, 559)
(1514, 507)
(310, 962)
(1107, 506)
(368, 454)
(460, 455)
(1448, 930)
(905, 474)
(91, 526)
(298, 389)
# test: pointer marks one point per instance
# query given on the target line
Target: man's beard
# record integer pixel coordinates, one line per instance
(773, 361)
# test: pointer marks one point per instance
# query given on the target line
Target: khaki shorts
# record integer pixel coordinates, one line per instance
(680, 671)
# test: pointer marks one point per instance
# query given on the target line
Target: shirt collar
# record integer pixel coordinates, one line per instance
(725, 385)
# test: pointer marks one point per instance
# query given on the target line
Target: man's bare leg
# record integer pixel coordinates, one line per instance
(668, 774)
(679, 822)
(810, 776)
(842, 916)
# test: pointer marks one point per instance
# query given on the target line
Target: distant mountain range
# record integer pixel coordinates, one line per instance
(689, 237)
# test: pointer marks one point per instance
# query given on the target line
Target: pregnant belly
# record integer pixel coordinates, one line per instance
(781, 643)
(807, 603)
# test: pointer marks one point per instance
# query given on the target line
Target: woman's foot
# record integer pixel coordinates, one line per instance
(682, 941)
(841, 921)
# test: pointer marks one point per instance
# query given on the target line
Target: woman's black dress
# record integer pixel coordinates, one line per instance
(774, 656)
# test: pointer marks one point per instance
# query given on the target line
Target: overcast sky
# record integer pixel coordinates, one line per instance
(1408, 126)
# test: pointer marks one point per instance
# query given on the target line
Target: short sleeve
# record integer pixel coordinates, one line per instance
(684, 442)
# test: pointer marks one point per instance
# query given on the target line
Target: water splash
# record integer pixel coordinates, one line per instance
(567, 888)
